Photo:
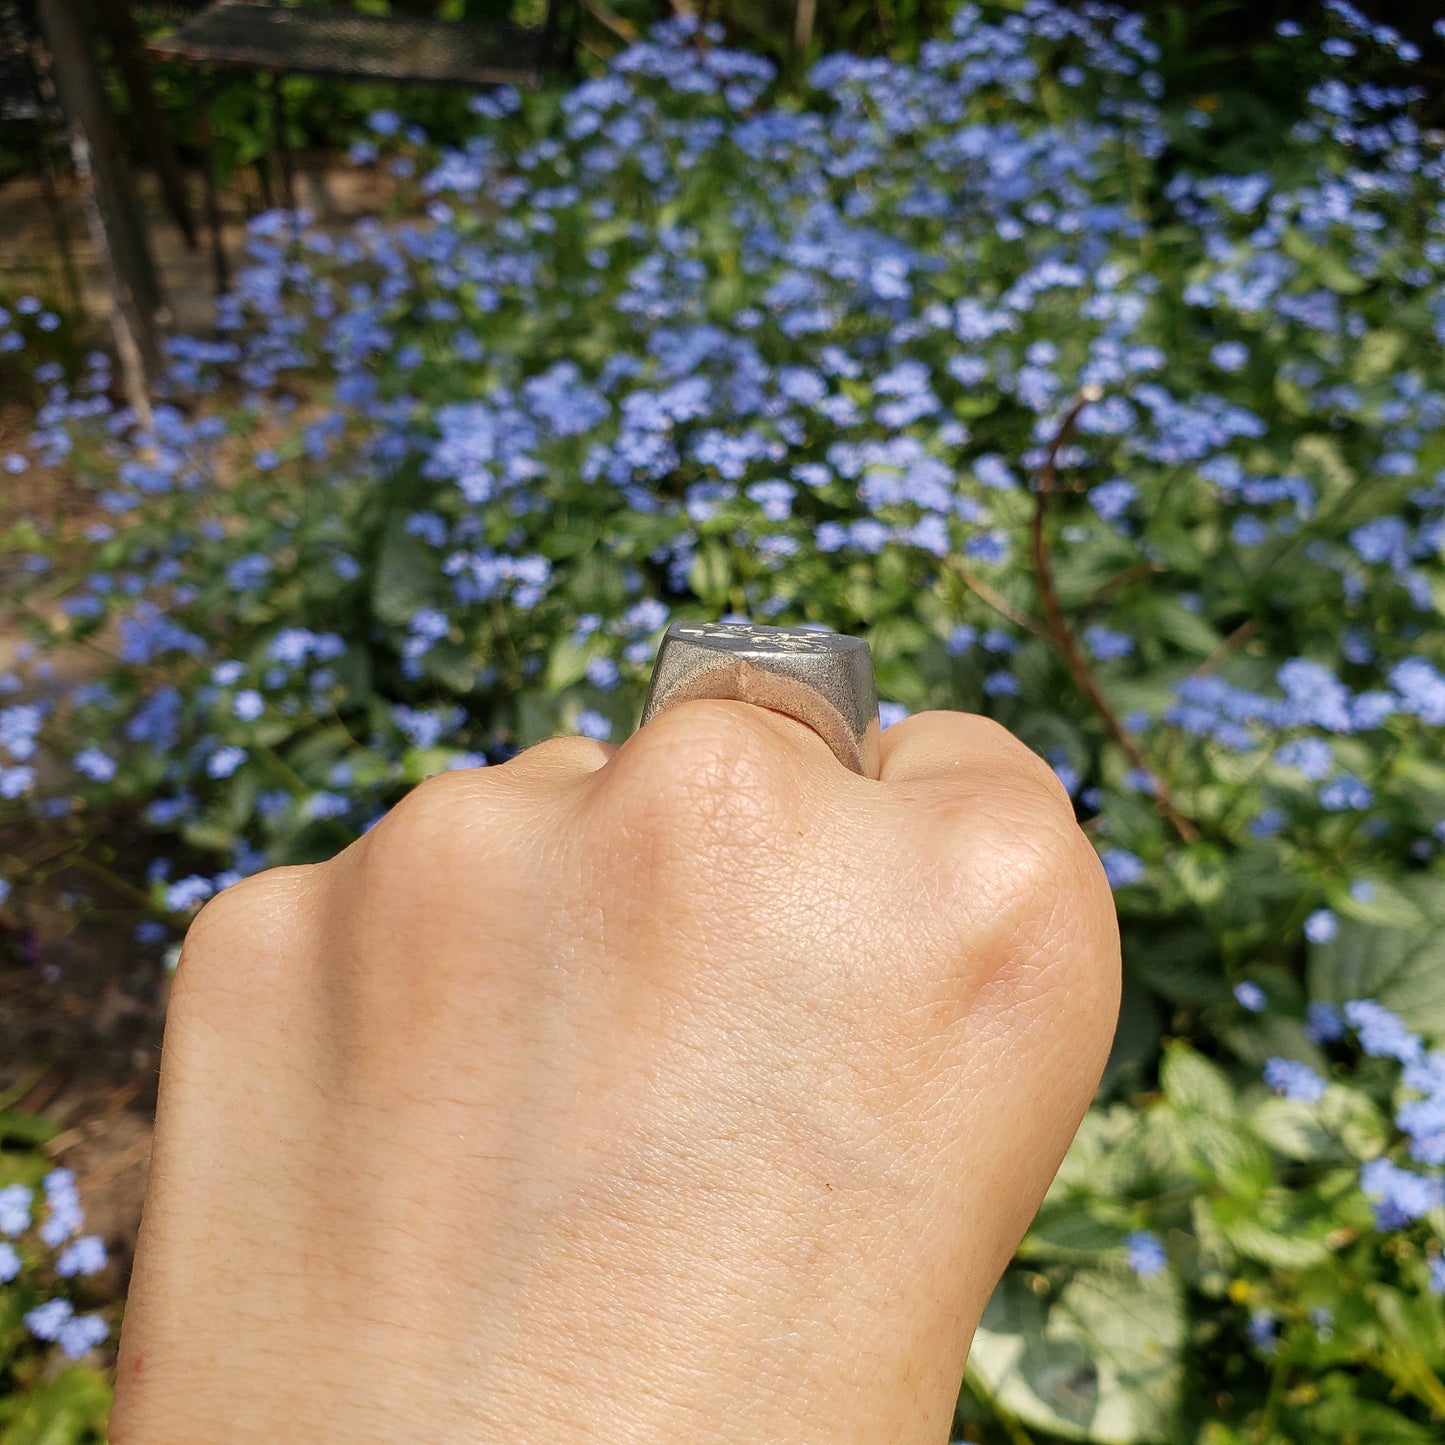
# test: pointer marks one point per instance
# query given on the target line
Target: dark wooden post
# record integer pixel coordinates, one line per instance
(130, 57)
(112, 209)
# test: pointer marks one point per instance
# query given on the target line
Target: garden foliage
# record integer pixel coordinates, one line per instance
(965, 356)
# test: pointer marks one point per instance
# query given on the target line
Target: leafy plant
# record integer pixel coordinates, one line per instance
(45, 1398)
(971, 355)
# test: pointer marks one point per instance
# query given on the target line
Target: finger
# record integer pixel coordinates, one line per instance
(962, 748)
(738, 724)
(557, 760)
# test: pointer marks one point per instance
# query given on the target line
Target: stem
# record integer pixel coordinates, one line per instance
(1121, 580)
(22, 1086)
(114, 880)
(1265, 1428)
(611, 19)
(997, 601)
(1015, 1431)
(1063, 637)
(1235, 640)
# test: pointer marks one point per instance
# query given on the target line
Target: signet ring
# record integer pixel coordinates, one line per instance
(823, 679)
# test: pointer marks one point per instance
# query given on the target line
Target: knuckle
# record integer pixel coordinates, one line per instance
(714, 771)
(422, 821)
(1009, 849)
(260, 901)
(1020, 767)
(246, 925)
(451, 830)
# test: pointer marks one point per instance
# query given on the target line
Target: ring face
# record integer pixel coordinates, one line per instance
(823, 679)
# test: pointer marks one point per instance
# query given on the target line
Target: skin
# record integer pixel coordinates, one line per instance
(691, 1089)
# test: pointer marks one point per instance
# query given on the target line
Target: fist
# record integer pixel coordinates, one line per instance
(691, 1089)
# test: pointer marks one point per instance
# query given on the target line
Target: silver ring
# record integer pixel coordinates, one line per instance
(823, 679)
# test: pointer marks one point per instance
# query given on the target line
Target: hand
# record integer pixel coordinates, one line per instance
(692, 1090)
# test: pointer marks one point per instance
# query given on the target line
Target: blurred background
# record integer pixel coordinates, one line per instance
(377, 379)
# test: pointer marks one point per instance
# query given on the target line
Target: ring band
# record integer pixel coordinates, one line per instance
(823, 679)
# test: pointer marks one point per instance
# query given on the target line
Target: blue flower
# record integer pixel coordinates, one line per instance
(85, 1256)
(1345, 793)
(327, 805)
(248, 705)
(1294, 1080)
(1400, 1196)
(15, 1202)
(1436, 1264)
(960, 640)
(1421, 688)
(1229, 356)
(1321, 926)
(9, 1262)
(890, 713)
(592, 724)
(1250, 996)
(602, 672)
(1108, 646)
(224, 761)
(80, 1335)
(188, 892)
(46, 1321)
(1146, 1253)
(1263, 1329)
(1382, 1034)
(64, 1217)
(1121, 868)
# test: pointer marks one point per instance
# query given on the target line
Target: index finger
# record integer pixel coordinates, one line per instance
(965, 749)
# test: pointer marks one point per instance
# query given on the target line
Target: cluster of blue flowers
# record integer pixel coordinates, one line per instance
(72, 1254)
(1401, 1194)
(743, 354)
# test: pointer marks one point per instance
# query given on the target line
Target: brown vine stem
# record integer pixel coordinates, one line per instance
(611, 19)
(1062, 634)
(996, 600)
(1232, 643)
(1121, 580)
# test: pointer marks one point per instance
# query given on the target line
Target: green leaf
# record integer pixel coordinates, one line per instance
(1320, 459)
(406, 576)
(1219, 1152)
(1136, 1038)
(1186, 630)
(1191, 1081)
(1179, 964)
(1202, 871)
(18, 1128)
(1377, 355)
(566, 663)
(1067, 1229)
(71, 1409)
(1398, 967)
(711, 576)
(1098, 1160)
(1102, 1363)
(1349, 1417)
(1281, 1242)
(1293, 1128)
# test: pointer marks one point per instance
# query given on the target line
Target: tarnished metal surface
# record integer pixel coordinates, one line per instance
(823, 679)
